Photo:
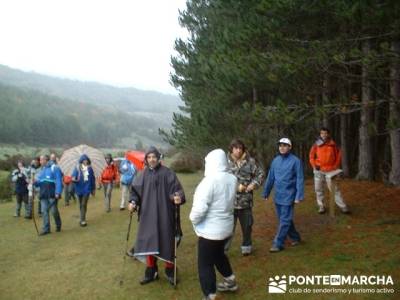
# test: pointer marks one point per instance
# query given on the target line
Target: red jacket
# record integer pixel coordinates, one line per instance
(109, 174)
(327, 156)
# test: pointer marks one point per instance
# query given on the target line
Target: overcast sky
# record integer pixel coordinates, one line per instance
(119, 42)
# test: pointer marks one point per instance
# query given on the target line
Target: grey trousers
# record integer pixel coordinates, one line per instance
(83, 200)
(320, 179)
(107, 195)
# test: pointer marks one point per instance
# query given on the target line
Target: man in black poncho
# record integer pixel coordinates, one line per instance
(156, 193)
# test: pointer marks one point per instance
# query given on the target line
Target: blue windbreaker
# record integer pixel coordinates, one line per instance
(49, 180)
(286, 173)
(83, 187)
(127, 171)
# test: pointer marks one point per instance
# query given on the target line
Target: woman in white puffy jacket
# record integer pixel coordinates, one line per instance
(212, 218)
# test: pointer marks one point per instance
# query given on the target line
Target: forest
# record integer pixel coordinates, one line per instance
(263, 69)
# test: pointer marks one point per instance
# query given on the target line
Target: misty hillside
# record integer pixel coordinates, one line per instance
(125, 99)
(34, 118)
(104, 115)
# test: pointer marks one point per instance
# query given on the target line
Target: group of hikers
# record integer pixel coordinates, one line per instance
(224, 196)
(44, 180)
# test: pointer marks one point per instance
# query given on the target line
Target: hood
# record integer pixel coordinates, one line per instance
(125, 165)
(84, 157)
(215, 162)
(154, 150)
(320, 142)
(242, 158)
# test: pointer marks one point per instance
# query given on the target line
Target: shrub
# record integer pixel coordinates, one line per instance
(6, 189)
(186, 163)
(10, 163)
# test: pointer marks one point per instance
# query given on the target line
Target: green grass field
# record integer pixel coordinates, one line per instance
(88, 263)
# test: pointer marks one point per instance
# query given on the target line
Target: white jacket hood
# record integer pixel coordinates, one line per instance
(215, 162)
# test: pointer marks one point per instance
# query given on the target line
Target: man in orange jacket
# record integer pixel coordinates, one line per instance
(325, 158)
(108, 177)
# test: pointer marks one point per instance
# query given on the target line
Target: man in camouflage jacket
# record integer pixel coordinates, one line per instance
(250, 176)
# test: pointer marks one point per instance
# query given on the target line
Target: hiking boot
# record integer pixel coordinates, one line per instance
(131, 252)
(275, 249)
(228, 285)
(150, 275)
(321, 210)
(246, 250)
(345, 211)
(295, 243)
(169, 272)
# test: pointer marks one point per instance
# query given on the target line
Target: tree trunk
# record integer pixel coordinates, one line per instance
(365, 166)
(325, 100)
(343, 134)
(394, 116)
(344, 128)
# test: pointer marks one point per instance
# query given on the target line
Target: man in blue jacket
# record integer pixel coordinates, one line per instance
(49, 182)
(127, 171)
(286, 174)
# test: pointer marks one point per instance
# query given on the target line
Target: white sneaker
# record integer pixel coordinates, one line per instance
(228, 285)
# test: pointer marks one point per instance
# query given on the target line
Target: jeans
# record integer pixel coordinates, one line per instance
(245, 217)
(107, 195)
(83, 200)
(124, 195)
(47, 206)
(286, 225)
(211, 253)
(22, 198)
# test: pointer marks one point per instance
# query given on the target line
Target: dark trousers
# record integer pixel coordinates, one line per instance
(211, 253)
(245, 217)
(69, 191)
(83, 200)
(22, 198)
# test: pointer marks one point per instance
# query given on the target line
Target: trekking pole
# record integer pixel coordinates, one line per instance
(33, 215)
(121, 282)
(176, 242)
(33, 205)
